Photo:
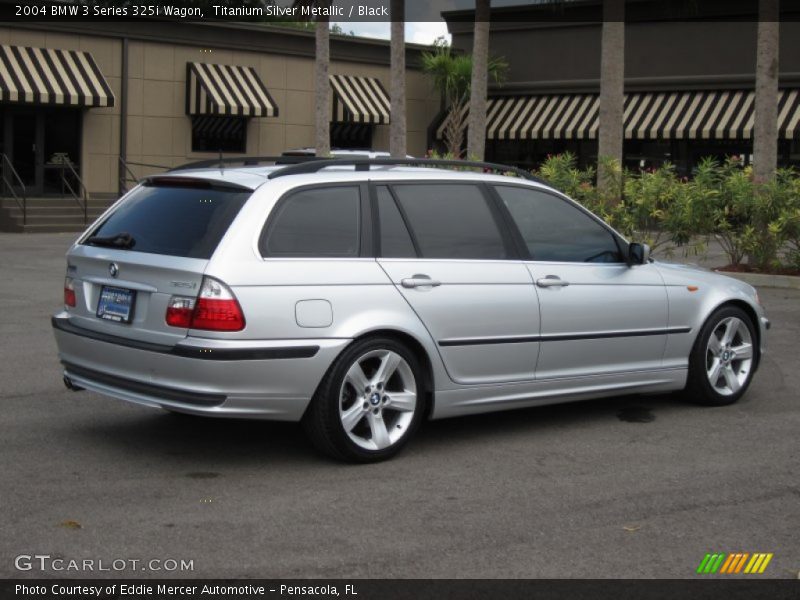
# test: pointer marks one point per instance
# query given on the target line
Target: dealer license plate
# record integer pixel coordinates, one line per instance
(116, 304)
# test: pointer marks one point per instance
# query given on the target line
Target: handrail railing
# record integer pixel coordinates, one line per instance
(126, 167)
(23, 202)
(82, 195)
(123, 176)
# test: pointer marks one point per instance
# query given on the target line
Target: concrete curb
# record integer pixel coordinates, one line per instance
(765, 280)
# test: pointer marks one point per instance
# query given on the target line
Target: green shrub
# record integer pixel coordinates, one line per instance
(776, 213)
(562, 172)
(656, 208)
(758, 222)
(724, 204)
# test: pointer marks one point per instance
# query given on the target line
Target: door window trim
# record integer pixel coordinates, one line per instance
(506, 233)
(621, 243)
(376, 222)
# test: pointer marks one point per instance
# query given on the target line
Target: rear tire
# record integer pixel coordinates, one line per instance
(723, 358)
(369, 404)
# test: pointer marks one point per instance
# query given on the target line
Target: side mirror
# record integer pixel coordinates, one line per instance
(638, 254)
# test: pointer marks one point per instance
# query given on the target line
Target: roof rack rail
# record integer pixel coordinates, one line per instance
(245, 161)
(364, 164)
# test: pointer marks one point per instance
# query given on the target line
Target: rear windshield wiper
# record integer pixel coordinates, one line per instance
(122, 240)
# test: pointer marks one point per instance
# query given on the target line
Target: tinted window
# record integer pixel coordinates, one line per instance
(395, 240)
(451, 221)
(179, 221)
(554, 230)
(219, 134)
(315, 222)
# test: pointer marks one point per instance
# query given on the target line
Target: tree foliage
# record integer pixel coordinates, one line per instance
(452, 76)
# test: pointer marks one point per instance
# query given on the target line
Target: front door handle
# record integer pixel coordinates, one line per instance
(551, 281)
(418, 280)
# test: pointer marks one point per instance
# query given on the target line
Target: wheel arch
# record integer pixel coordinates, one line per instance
(754, 319)
(419, 350)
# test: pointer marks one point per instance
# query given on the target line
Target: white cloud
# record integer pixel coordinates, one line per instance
(426, 32)
(417, 32)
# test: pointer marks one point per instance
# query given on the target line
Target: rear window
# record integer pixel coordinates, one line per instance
(179, 221)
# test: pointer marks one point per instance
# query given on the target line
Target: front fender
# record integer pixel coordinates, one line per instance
(693, 295)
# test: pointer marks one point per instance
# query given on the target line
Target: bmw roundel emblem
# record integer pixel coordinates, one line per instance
(113, 269)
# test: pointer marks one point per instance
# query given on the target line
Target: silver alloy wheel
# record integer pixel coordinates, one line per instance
(378, 399)
(729, 356)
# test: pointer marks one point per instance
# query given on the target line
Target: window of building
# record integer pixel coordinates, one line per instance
(451, 221)
(395, 239)
(351, 136)
(219, 134)
(315, 222)
(554, 230)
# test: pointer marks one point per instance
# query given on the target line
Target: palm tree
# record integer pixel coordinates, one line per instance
(476, 142)
(765, 120)
(322, 93)
(397, 86)
(452, 76)
(612, 92)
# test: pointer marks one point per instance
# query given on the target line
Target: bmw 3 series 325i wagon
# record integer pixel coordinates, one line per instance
(364, 296)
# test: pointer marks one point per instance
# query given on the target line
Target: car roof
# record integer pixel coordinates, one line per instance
(347, 152)
(253, 177)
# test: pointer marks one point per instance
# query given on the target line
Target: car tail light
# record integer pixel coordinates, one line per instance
(69, 293)
(214, 309)
(179, 311)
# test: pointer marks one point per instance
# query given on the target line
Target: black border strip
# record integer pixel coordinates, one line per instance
(190, 351)
(561, 338)
(149, 389)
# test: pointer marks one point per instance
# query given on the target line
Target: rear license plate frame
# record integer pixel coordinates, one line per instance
(122, 298)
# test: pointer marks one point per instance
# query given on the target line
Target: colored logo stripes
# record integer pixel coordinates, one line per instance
(735, 563)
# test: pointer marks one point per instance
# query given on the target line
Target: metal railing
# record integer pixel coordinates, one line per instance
(22, 201)
(124, 174)
(81, 195)
(128, 176)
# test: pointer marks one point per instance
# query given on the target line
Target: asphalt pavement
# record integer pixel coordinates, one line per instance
(639, 487)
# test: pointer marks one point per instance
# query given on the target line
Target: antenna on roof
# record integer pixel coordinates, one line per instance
(221, 162)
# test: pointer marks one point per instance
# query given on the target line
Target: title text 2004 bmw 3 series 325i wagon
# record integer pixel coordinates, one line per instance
(362, 299)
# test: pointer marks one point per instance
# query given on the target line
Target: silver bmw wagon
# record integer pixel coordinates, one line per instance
(362, 297)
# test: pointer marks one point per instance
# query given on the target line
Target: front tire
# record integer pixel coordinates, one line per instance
(723, 358)
(369, 404)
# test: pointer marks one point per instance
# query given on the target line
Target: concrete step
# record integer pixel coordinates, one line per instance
(35, 219)
(48, 228)
(43, 211)
(56, 202)
(49, 214)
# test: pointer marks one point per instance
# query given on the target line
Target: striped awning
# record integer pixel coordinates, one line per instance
(227, 90)
(53, 77)
(726, 114)
(359, 100)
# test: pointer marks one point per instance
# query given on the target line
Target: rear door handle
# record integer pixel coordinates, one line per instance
(551, 281)
(419, 281)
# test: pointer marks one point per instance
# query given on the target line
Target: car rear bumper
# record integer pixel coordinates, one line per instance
(270, 379)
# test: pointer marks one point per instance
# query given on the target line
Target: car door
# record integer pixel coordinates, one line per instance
(598, 315)
(443, 246)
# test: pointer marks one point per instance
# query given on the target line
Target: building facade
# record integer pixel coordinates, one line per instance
(98, 103)
(689, 82)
